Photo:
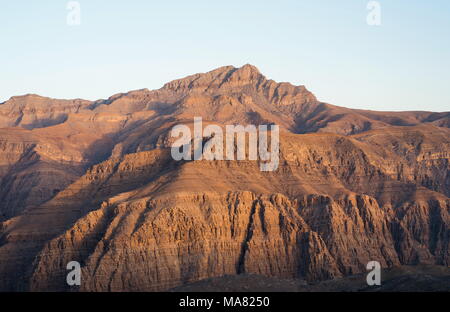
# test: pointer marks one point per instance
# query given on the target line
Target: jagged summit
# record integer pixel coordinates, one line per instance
(217, 78)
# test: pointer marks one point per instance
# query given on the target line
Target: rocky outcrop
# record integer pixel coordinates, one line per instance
(183, 234)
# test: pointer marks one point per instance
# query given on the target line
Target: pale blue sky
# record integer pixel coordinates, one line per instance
(404, 64)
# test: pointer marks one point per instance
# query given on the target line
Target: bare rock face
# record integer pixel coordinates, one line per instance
(94, 182)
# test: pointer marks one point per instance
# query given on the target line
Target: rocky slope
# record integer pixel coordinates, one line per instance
(95, 182)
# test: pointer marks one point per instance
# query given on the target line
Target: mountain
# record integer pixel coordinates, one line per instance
(95, 182)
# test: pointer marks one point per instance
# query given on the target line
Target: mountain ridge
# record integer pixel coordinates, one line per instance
(282, 97)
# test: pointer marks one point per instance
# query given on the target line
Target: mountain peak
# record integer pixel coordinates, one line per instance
(245, 74)
(222, 76)
(250, 68)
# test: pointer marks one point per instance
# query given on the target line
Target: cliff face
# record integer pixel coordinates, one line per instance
(100, 187)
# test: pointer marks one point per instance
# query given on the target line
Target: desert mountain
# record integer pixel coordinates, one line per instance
(94, 182)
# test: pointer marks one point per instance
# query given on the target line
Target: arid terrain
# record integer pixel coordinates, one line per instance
(417, 278)
(95, 182)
